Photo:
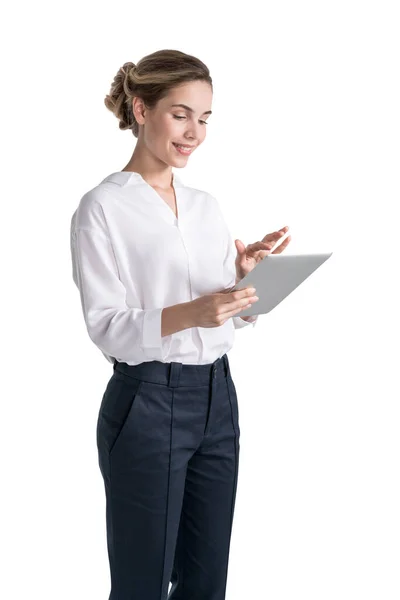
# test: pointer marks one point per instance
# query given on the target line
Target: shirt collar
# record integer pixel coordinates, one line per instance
(133, 178)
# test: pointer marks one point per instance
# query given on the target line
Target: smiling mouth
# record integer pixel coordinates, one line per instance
(183, 149)
(182, 145)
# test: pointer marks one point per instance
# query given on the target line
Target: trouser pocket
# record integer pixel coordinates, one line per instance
(116, 407)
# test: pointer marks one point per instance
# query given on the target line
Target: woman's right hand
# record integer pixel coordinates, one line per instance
(212, 310)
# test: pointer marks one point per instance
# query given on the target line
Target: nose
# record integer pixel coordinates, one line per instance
(194, 134)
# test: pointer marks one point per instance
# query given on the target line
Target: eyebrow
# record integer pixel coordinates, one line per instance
(206, 112)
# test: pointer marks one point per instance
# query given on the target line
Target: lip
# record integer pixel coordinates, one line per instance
(184, 145)
(185, 151)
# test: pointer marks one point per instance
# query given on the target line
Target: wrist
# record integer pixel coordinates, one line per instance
(175, 318)
(187, 316)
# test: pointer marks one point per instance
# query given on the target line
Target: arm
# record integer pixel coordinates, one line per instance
(127, 333)
(175, 318)
(250, 319)
(230, 279)
(229, 267)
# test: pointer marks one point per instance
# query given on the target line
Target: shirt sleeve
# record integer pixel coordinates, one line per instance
(126, 333)
(229, 268)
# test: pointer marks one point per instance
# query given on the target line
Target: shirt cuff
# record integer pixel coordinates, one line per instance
(239, 322)
(153, 345)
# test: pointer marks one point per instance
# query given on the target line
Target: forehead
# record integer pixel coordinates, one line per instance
(196, 94)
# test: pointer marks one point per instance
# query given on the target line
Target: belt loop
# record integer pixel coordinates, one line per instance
(115, 363)
(226, 363)
(175, 371)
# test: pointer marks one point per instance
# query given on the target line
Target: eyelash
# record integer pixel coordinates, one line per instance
(176, 117)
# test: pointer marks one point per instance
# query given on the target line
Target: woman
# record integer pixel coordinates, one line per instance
(150, 256)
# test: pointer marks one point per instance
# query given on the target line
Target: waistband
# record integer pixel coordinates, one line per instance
(175, 374)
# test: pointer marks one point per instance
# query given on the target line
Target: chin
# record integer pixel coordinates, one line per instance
(180, 162)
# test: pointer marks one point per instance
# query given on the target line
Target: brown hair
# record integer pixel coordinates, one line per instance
(151, 79)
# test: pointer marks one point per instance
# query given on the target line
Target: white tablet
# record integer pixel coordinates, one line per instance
(275, 277)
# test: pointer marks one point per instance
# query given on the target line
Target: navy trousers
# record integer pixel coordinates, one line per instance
(168, 447)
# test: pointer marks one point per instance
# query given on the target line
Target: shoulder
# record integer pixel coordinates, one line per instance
(203, 196)
(89, 213)
(92, 207)
(214, 205)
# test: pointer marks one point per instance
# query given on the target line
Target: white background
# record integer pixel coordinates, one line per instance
(305, 133)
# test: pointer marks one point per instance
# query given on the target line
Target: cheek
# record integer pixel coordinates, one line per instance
(162, 131)
(168, 134)
(170, 126)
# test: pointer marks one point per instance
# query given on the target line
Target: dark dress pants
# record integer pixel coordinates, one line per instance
(168, 447)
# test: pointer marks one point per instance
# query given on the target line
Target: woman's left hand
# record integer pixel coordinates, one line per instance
(248, 256)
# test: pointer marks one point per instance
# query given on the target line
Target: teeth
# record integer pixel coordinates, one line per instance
(183, 147)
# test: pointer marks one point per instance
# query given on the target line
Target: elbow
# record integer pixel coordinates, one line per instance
(101, 330)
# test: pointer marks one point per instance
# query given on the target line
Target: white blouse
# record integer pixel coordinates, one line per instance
(131, 257)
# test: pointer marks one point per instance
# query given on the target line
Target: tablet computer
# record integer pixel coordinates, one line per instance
(276, 276)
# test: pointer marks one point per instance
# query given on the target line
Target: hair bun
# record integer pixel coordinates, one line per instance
(127, 68)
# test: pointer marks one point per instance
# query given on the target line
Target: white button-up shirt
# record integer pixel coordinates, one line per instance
(131, 257)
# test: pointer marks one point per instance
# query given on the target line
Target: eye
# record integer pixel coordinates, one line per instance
(176, 117)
